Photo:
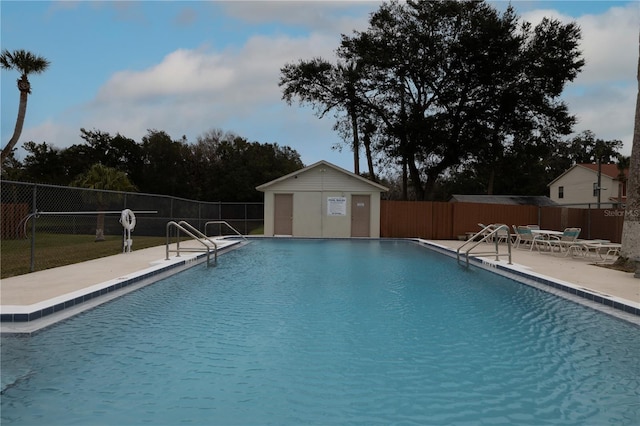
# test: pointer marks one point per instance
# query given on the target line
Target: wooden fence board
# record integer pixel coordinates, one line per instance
(10, 216)
(443, 221)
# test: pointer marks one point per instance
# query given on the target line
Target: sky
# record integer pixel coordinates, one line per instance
(188, 67)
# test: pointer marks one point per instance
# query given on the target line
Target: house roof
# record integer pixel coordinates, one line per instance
(526, 200)
(323, 163)
(610, 170)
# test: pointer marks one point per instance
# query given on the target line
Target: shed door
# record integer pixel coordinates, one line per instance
(360, 215)
(283, 214)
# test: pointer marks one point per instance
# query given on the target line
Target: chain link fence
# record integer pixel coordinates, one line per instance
(44, 226)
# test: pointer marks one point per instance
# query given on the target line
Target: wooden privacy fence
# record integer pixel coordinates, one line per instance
(447, 221)
(11, 215)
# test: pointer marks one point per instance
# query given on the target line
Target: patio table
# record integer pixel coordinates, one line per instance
(546, 233)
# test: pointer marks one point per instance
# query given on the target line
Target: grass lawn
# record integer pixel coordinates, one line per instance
(53, 250)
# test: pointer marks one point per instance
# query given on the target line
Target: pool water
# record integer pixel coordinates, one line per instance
(328, 332)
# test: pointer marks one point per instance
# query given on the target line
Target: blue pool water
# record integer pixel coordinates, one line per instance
(328, 332)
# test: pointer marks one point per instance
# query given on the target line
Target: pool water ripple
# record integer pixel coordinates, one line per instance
(317, 332)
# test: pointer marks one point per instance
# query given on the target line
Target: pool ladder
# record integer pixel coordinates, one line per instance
(208, 245)
(488, 233)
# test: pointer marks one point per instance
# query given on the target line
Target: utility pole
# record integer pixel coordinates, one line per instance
(599, 179)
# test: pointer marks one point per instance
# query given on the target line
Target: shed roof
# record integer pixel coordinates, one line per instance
(523, 200)
(322, 163)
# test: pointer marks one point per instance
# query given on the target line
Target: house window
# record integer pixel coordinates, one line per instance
(561, 192)
(595, 189)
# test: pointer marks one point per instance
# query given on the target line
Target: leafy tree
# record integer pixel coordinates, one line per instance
(329, 87)
(449, 82)
(43, 164)
(585, 148)
(12, 169)
(26, 63)
(163, 165)
(117, 151)
(227, 167)
(102, 177)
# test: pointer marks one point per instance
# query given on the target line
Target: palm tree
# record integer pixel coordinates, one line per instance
(630, 252)
(27, 63)
(622, 165)
(101, 177)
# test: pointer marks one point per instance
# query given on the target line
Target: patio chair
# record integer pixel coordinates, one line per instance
(485, 230)
(526, 237)
(563, 242)
(502, 234)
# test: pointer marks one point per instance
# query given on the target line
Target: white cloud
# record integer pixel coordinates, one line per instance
(610, 45)
(602, 97)
(193, 91)
(325, 16)
(182, 72)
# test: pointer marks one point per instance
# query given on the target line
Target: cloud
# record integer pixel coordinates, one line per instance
(340, 17)
(602, 97)
(610, 44)
(193, 91)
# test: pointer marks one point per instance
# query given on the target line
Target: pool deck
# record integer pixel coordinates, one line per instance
(33, 301)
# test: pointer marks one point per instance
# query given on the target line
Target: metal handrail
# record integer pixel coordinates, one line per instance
(488, 231)
(196, 235)
(222, 222)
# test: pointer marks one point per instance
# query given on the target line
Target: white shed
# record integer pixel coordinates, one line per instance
(322, 200)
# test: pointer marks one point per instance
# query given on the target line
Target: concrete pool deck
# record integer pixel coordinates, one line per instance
(33, 301)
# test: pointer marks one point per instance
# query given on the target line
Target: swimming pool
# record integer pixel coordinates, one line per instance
(328, 332)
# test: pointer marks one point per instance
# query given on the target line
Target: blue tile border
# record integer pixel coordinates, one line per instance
(78, 300)
(514, 274)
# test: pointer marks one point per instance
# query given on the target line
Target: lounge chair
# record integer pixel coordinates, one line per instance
(485, 230)
(502, 233)
(563, 242)
(526, 237)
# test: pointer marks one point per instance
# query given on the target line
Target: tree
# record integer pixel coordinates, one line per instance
(328, 87)
(622, 165)
(163, 165)
(454, 81)
(226, 167)
(449, 82)
(26, 63)
(630, 251)
(117, 151)
(101, 177)
(43, 164)
(586, 148)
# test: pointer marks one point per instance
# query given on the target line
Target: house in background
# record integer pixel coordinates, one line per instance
(579, 185)
(322, 200)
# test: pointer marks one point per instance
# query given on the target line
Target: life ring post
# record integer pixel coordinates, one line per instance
(128, 221)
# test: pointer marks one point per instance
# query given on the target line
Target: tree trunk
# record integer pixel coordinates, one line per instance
(366, 141)
(416, 181)
(100, 228)
(356, 141)
(22, 111)
(630, 251)
(405, 179)
(492, 178)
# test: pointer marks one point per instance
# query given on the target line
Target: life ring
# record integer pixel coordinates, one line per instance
(128, 219)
